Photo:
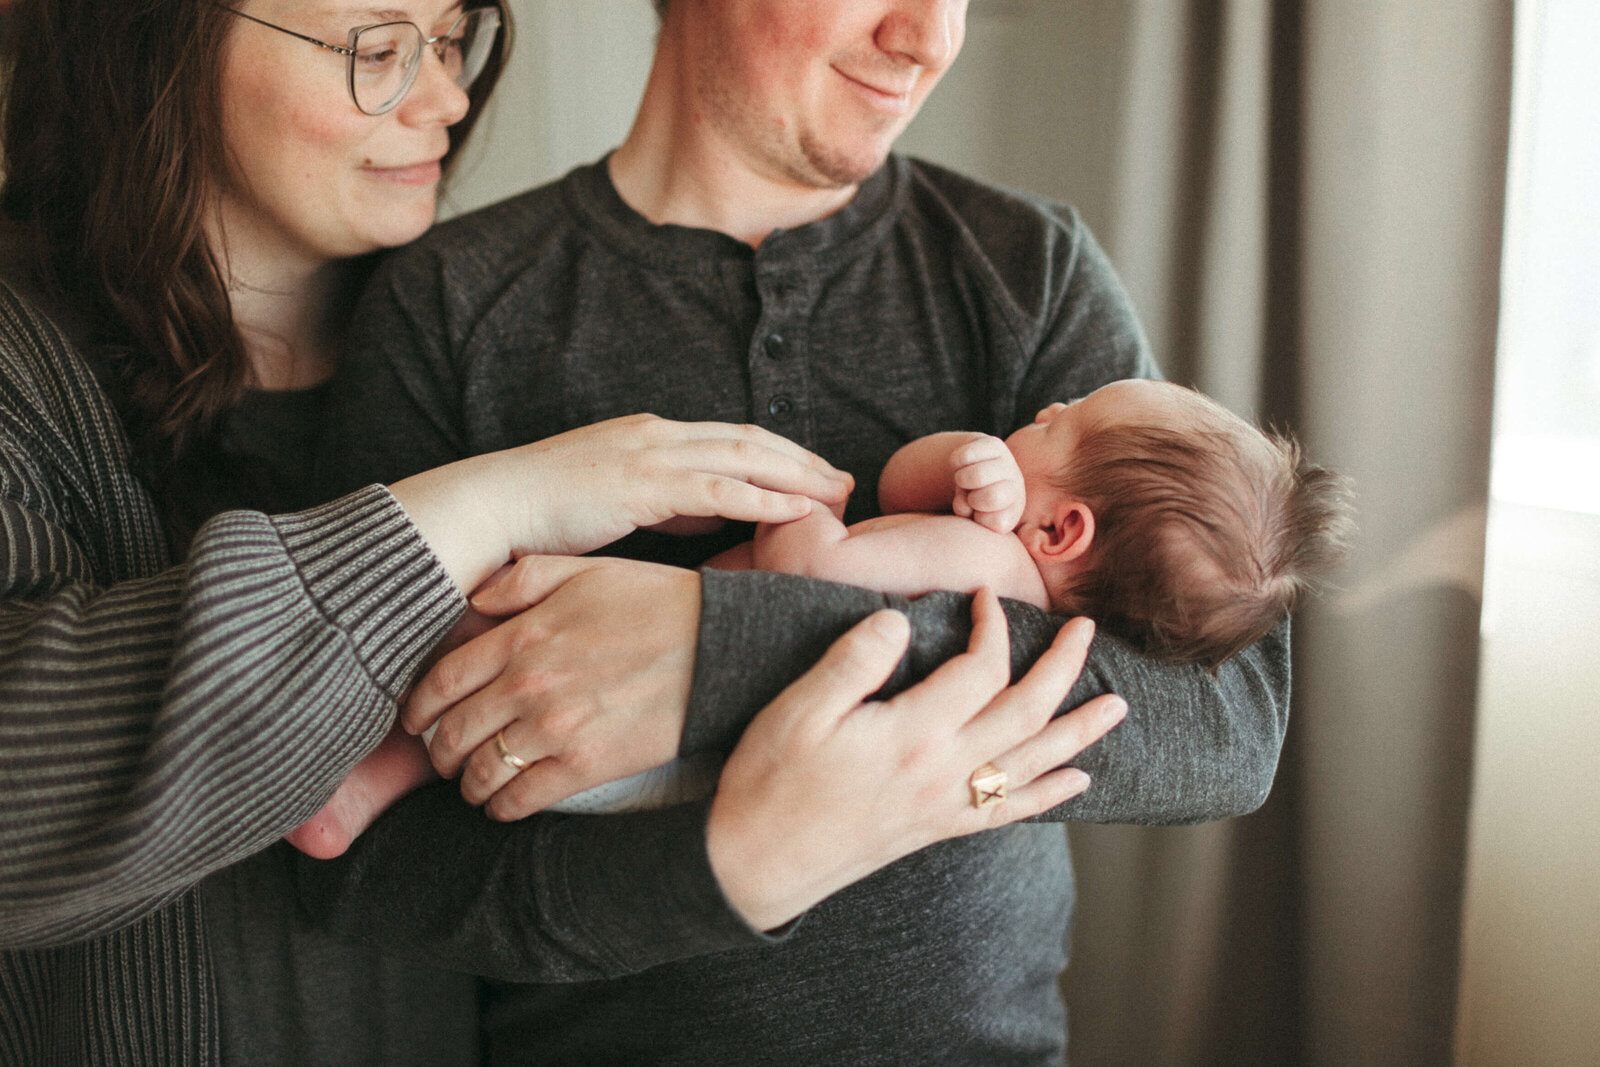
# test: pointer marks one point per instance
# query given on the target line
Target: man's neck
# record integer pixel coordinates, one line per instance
(672, 170)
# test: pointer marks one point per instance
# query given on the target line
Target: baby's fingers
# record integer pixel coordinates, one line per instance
(977, 451)
(989, 472)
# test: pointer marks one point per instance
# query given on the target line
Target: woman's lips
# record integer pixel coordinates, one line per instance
(412, 174)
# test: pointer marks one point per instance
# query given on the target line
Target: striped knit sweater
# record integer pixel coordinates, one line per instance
(160, 719)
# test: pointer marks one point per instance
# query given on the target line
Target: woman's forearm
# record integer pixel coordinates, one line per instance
(198, 714)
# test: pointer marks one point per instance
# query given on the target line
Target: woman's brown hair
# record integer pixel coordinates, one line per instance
(112, 147)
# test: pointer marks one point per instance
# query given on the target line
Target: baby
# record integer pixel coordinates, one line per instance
(1172, 522)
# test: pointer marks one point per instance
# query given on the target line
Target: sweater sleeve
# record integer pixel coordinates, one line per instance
(158, 722)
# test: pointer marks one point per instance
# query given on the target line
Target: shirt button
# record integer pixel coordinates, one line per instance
(774, 345)
(781, 407)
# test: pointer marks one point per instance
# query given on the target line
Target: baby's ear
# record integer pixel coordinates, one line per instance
(1064, 536)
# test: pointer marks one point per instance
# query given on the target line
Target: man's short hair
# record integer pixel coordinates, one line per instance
(1206, 534)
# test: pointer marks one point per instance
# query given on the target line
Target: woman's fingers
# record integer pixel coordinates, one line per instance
(730, 497)
(764, 438)
(1024, 708)
(458, 674)
(963, 685)
(1040, 795)
(854, 667)
(527, 582)
(760, 462)
(1062, 741)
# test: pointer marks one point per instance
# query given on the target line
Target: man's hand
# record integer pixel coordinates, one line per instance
(589, 680)
(989, 486)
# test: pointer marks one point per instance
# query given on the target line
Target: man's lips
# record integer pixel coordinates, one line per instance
(885, 97)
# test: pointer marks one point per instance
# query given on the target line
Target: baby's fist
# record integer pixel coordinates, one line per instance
(988, 484)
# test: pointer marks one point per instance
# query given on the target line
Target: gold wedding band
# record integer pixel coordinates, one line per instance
(517, 763)
(988, 786)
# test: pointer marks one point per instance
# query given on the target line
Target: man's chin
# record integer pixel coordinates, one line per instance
(833, 168)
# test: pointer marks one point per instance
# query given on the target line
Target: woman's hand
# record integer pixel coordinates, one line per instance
(824, 788)
(590, 682)
(580, 490)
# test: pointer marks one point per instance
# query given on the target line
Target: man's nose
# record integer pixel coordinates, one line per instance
(927, 32)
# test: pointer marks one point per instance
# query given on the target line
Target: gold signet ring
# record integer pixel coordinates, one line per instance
(988, 786)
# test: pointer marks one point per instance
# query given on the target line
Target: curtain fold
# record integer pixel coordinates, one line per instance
(1307, 208)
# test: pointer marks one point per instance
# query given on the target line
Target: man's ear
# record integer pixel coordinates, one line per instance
(1064, 536)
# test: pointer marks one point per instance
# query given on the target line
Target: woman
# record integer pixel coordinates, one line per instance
(189, 187)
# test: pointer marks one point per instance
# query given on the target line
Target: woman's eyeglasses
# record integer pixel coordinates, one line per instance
(382, 61)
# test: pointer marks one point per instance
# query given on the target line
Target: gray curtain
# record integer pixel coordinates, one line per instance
(1306, 204)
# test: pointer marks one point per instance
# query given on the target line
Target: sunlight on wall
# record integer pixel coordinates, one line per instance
(1531, 932)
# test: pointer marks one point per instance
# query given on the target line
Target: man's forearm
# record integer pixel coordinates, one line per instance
(1194, 746)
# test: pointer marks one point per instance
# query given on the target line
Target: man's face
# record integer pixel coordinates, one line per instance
(815, 92)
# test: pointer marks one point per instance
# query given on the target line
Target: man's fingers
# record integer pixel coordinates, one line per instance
(470, 726)
(854, 667)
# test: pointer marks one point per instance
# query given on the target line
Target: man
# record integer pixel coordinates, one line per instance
(752, 252)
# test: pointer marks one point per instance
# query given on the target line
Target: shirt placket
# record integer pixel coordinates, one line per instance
(776, 355)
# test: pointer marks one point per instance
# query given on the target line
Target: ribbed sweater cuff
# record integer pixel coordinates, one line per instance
(365, 565)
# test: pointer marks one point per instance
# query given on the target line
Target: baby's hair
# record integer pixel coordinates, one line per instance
(1206, 534)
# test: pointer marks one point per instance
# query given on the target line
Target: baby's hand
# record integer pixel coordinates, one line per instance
(989, 488)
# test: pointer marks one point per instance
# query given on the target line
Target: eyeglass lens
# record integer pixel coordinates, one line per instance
(386, 57)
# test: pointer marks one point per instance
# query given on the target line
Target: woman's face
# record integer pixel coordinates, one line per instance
(311, 177)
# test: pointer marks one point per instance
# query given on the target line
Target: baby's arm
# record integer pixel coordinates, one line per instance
(970, 474)
(909, 554)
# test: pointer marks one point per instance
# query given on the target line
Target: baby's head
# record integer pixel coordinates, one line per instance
(1173, 522)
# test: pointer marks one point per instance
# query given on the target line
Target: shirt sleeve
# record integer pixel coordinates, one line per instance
(1194, 746)
(159, 722)
(550, 898)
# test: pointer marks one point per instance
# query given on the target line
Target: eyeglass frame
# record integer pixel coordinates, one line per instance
(350, 53)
